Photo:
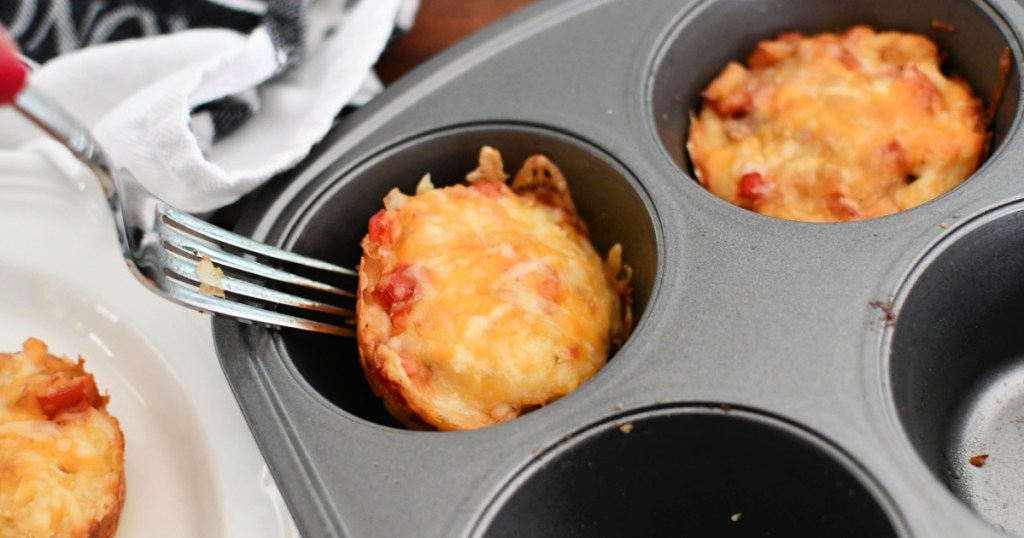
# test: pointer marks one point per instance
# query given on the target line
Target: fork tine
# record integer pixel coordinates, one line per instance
(186, 270)
(189, 296)
(177, 239)
(219, 235)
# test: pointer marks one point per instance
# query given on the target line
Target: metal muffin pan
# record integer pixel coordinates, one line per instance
(784, 378)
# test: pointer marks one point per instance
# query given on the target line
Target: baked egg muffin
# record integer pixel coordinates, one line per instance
(478, 302)
(61, 453)
(836, 127)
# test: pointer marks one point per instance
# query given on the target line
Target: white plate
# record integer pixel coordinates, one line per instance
(192, 467)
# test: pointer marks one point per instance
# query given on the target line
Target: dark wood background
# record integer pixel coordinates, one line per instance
(440, 24)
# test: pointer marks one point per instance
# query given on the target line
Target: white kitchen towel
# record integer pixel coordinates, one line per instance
(202, 116)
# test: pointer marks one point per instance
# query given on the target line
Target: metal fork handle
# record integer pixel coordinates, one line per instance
(59, 124)
(62, 126)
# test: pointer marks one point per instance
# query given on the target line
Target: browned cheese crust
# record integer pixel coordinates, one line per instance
(836, 127)
(61, 453)
(480, 302)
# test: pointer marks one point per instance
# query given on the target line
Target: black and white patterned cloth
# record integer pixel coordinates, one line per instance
(47, 28)
(205, 99)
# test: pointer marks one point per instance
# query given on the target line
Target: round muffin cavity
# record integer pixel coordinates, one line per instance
(479, 302)
(956, 364)
(688, 471)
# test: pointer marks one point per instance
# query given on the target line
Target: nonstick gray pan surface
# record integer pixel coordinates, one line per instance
(783, 378)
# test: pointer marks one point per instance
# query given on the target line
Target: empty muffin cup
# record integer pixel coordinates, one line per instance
(691, 471)
(336, 210)
(957, 365)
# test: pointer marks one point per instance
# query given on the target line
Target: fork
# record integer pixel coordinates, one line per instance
(171, 251)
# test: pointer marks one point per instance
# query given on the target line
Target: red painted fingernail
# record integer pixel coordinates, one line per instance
(13, 72)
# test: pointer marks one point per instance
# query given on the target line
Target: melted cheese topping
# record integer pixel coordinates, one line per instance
(836, 127)
(511, 306)
(60, 477)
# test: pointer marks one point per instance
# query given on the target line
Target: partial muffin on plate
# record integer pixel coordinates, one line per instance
(61, 453)
(837, 127)
(480, 302)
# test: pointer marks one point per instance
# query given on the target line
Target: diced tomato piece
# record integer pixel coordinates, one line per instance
(752, 186)
(380, 227)
(13, 73)
(76, 394)
(394, 290)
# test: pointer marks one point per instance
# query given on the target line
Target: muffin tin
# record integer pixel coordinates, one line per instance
(784, 378)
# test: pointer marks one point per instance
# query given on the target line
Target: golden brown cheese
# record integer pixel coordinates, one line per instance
(836, 127)
(61, 454)
(477, 303)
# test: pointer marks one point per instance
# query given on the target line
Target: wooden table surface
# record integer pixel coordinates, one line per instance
(440, 24)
